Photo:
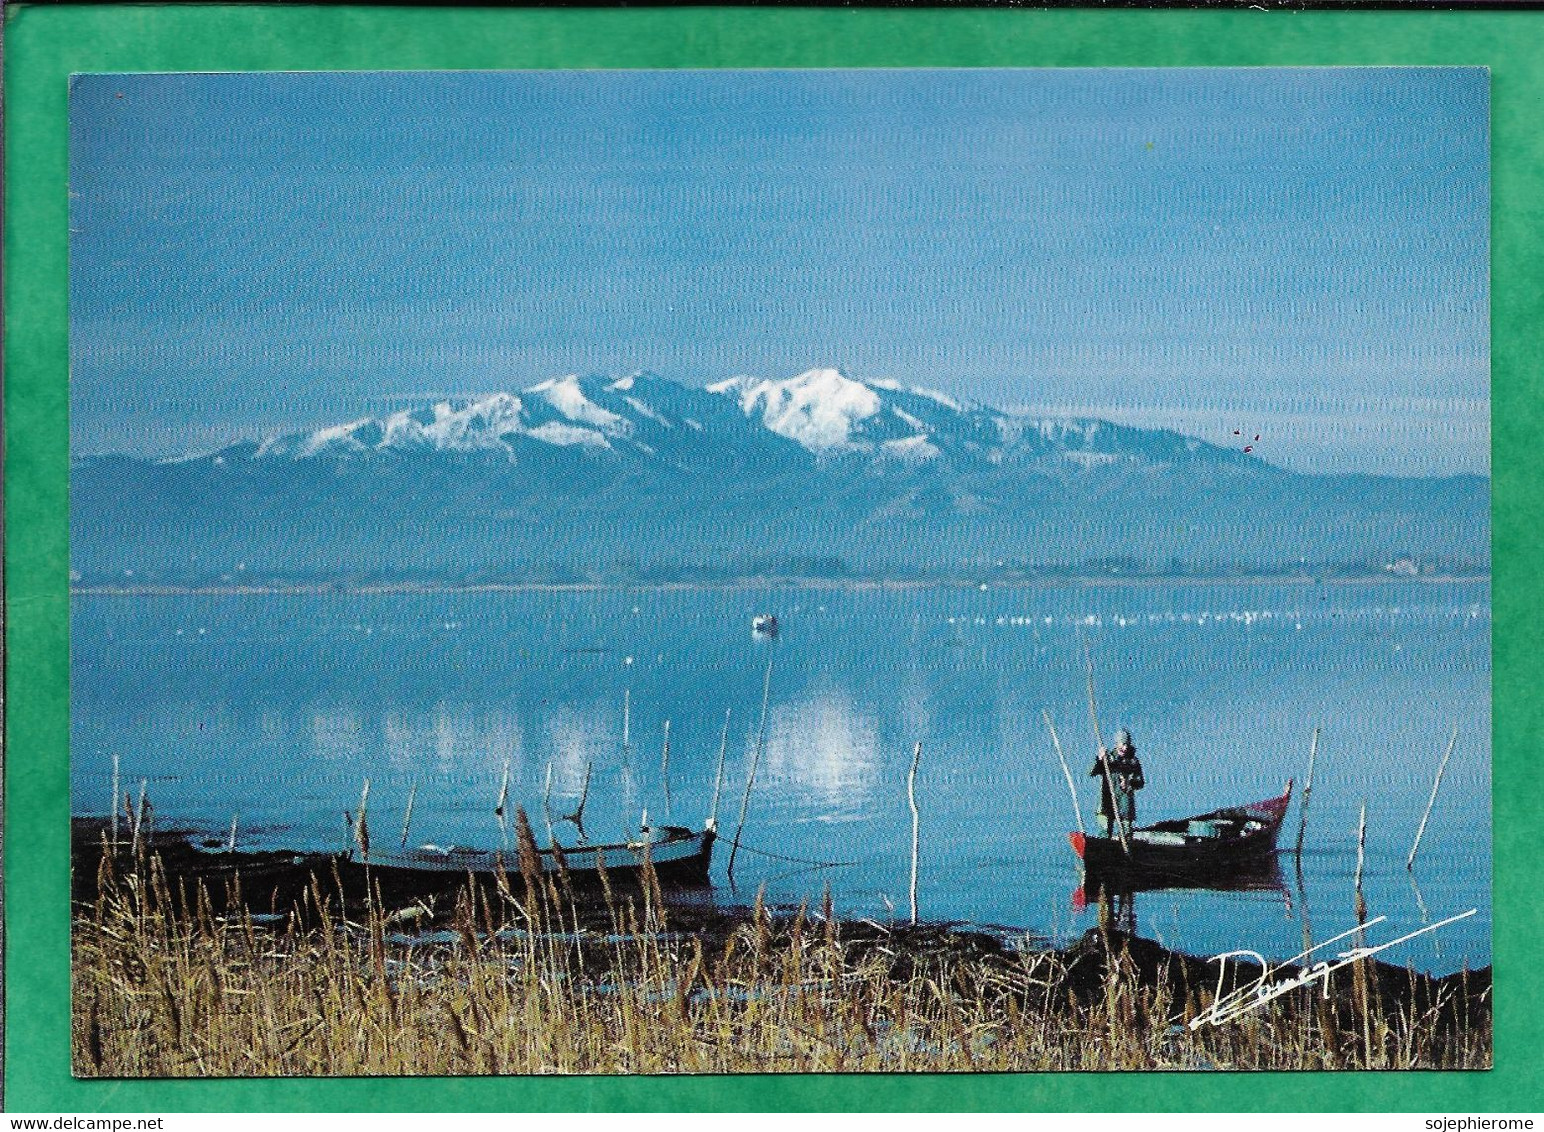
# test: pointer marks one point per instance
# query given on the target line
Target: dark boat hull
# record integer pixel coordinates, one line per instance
(1224, 845)
(679, 857)
(276, 882)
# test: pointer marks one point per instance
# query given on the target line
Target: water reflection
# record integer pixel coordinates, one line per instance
(572, 741)
(1220, 685)
(1260, 874)
(824, 745)
(1113, 898)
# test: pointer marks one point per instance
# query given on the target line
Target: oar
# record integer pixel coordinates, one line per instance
(1104, 763)
(1066, 771)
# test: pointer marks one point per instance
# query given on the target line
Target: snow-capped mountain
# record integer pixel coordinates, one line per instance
(595, 478)
(820, 414)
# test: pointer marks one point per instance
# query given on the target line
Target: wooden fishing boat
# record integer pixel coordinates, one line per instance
(680, 857)
(1203, 847)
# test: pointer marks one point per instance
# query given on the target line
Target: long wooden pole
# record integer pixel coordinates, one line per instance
(718, 779)
(664, 773)
(1361, 845)
(139, 813)
(1302, 824)
(407, 814)
(916, 824)
(142, 824)
(498, 810)
(546, 803)
(361, 825)
(1302, 904)
(117, 801)
(1066, 771)
(1432, 801)
(761, 740)
(1104, 762)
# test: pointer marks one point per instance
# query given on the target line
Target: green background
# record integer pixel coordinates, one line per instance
(44, 45)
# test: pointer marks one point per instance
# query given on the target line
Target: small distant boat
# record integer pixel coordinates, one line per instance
(764, 625)
(680, 857)
(1202, 847)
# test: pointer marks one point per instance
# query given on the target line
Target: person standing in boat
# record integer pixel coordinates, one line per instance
(1125, 775)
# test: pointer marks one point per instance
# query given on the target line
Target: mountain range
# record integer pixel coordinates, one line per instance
(640, 478)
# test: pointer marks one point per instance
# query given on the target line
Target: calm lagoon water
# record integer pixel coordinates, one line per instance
(278, 706)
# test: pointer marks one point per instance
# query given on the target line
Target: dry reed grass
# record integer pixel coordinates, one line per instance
(521, 983)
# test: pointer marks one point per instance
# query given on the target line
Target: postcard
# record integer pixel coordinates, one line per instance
(771, 571)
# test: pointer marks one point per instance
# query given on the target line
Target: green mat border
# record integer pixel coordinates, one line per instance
(44, 45)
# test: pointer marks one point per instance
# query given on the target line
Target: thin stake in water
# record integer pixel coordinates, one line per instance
(718, 780)
(1302, 903)
(761, 740)
(1302, 824)
(1361, 846)
(113, 809)
(916, 823)
(498, 811)
(230, 845)
(1432, 801)
(664, 772)
(627, 717)
(139, 814)
(362, 825)
(546, 802)
(407, 814)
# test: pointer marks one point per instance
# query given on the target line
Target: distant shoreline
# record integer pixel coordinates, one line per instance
(851, 585)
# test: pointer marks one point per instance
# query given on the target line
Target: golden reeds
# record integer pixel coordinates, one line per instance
(520, 983)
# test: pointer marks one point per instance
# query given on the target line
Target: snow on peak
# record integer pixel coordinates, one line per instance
(481, 424)
(818, 409)
(478, 425)
(337, 437)
(567, 396)
(822, 411)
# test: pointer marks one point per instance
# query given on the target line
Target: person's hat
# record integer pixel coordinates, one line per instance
(1123, 738)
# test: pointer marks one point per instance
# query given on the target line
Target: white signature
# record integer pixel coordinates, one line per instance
(1272, 984)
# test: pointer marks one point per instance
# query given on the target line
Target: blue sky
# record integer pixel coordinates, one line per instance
(1296, 253)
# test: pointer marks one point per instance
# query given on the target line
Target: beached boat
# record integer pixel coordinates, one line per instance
(1232, 839)
(679, 856)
